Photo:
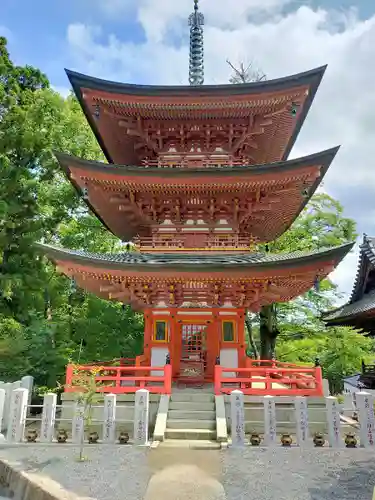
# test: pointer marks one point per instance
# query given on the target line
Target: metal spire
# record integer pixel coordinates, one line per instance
(196, 63)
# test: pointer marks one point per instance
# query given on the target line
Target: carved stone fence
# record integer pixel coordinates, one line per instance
(6, 389)
(93, 422)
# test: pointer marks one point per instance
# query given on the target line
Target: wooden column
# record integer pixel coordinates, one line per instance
(241, 338)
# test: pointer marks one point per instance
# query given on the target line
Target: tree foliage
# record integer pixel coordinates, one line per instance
(43, 323)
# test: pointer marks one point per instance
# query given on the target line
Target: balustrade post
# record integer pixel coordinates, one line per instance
(168, 379)
(365, 406)
(217, 379)
(141, 411)
(48, 418)
(237, 419)
(333, 421)
(69, 377)
(78, 424)
(7, 387)
(302, 420)
(17, 415)
(269, 420)
(109, 420)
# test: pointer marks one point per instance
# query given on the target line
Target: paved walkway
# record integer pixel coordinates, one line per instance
(119, 472)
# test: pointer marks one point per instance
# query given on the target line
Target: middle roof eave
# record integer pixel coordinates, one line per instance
(322, 159)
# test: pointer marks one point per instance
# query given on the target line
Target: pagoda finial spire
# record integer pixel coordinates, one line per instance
(196, 64)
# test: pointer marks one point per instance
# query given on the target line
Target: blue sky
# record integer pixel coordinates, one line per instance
(146, 41)
(38, 36)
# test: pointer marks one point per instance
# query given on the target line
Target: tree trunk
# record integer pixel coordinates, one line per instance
(268, 331)
(251, 338)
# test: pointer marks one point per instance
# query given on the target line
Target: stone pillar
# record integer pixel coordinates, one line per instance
(27, 382)
(269, 421)
(2, 405)
(302, 420)
(365, 406)
(141, 410)
(109, 419)
(333, 421)
(17, 415)
(326, 392)
(348, 404)
(78, 424)
(8, 394)
(48, 418)
(237, 419)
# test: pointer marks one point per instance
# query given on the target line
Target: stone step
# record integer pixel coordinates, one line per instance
(192, 415)
(191, 406)
(190, 434)
(200, 444)
(191, 424)
(195, 397)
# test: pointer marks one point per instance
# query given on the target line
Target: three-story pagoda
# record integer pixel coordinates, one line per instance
(197, 177)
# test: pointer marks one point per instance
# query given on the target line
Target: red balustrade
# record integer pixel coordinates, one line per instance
(122, 379)
(270, 378)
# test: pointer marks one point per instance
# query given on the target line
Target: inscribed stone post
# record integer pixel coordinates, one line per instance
(8, 394)
(269, 420)
(109, 420)
(78, 423)
(237, 419)
(365, 406)
(27, 382)
(48, 418)
(141, 410)
(2, 404)
(17, 415)
(333, 421)
(302, 420)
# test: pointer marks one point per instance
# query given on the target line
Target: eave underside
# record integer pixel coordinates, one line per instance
(258, 202)
(145, 280)
(267, 126)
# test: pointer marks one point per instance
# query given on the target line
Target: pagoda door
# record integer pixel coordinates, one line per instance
(193, 353)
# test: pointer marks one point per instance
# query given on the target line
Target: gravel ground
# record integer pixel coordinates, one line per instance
(121, 473)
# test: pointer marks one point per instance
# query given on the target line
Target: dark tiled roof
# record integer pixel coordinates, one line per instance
(363, 305)
(310, 78)
(366, 258)
(203, 261)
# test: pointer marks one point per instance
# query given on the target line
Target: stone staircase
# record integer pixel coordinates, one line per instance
(191, 420)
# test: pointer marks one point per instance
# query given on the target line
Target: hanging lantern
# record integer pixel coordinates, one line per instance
(97, 111)
(73, 286)
(294, 109)
(316, 284)
(85, 193)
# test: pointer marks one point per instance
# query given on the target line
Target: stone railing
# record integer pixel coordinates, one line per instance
(6, 389)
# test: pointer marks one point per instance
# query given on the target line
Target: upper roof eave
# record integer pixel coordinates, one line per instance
(182, 262)
(366, 258)
(312, 78)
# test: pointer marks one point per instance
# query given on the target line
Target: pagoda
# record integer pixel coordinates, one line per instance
(197, 178)
(359, 312)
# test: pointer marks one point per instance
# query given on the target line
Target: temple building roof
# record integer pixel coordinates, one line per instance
(254, 122)
(260, 201)
(360, 310)
(250, 280)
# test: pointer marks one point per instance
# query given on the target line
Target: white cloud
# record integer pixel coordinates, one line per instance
(281, 44)
(63, 91)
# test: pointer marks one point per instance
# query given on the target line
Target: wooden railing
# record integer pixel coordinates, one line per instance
(177, 242)
(122, 379)
(270, 378)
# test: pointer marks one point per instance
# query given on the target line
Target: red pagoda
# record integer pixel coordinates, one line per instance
(197, 177)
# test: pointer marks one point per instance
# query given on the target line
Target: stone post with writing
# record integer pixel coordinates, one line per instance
(302, 420)
(78, 423)
(333, 421)
(8, 394)
(27, 382)
(365, 407)
(141, 409)
(269, 421)
(237, 419)
(17, 415)
(109, 420)
(48, 418)
(2, 406)
(348, 404)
